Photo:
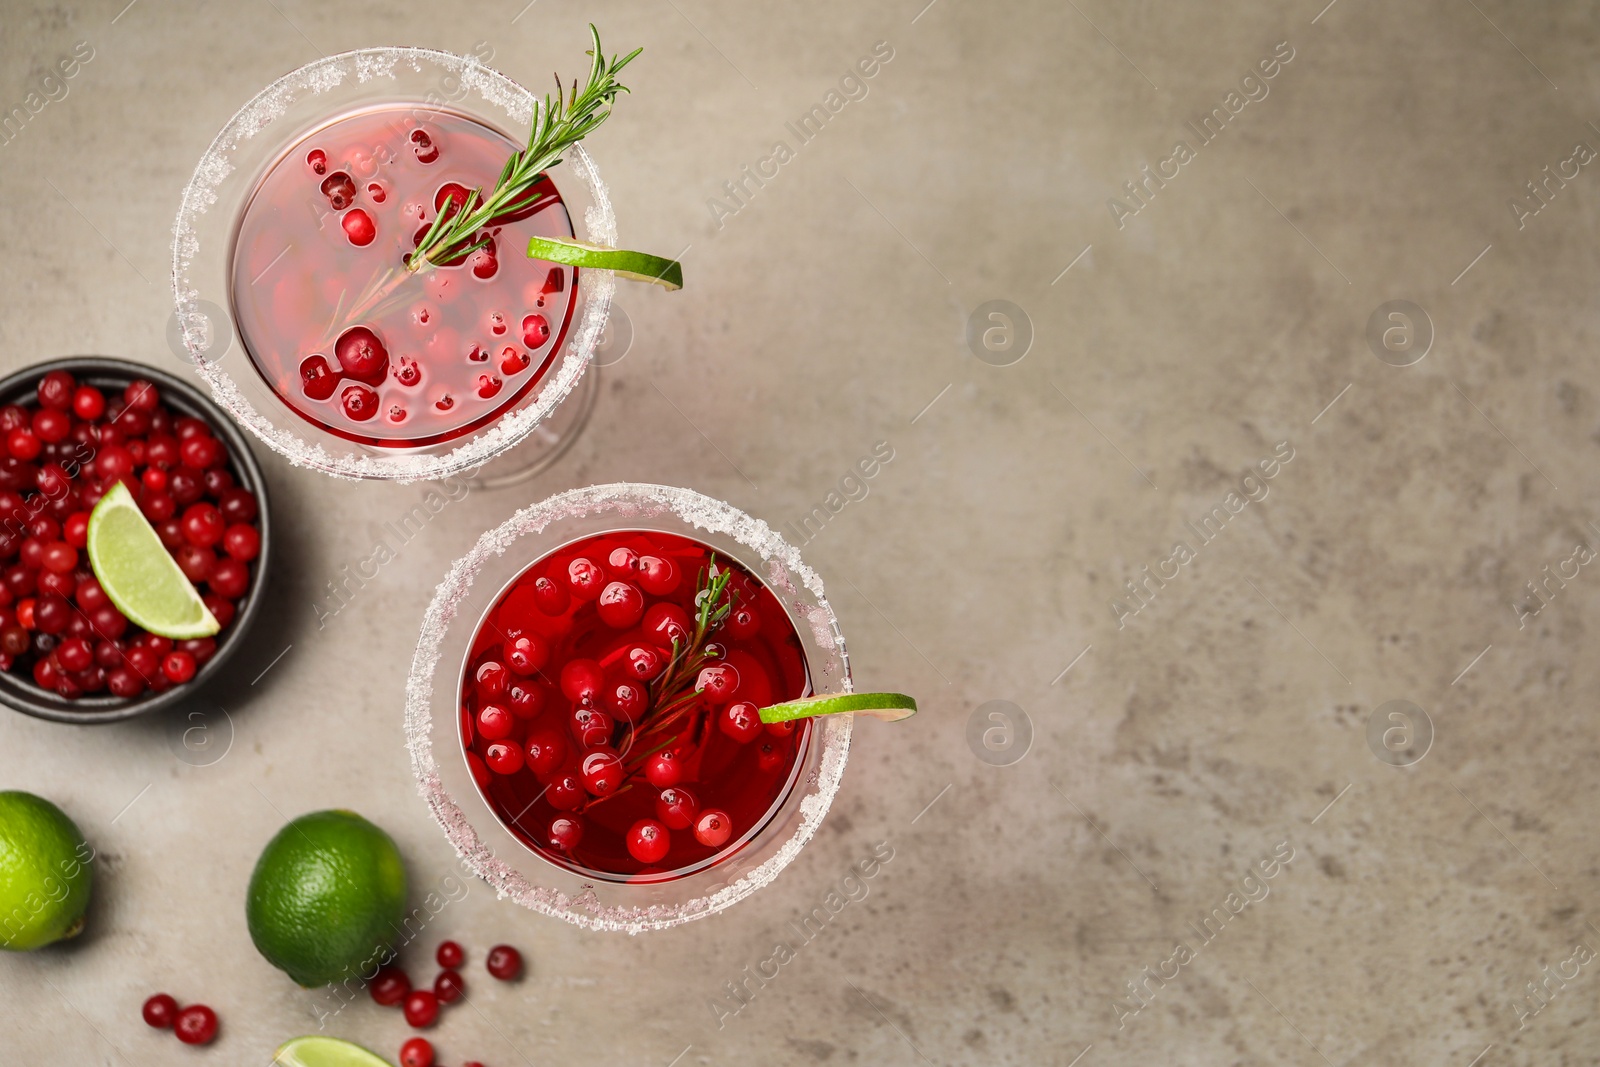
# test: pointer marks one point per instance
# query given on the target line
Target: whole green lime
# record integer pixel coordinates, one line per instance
(326, 898)
(46, 871)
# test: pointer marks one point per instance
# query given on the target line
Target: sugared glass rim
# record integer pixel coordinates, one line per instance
(625, 500)
(599, 226)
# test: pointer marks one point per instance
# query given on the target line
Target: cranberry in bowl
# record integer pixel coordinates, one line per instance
(70, 430)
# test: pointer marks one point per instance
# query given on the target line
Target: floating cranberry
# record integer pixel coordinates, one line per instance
(359, 402)
(769, 756)
(503, 962)
(497, 323)
(525, 699)
(340, 191)
(196, 1025)
(657, 576)
(626, 701)
(585, 579)
(719, 683)
(565, 833)
(377, 192)
(546, 750)
(663, 769)
(741, 721)
(424, 148)
(742, 624)
(449, 986)
(492, 679)
(317, 379)
(620, 605)
(676, 807)
(527, 653)
(488, 386)
(624, 562)
(494, 723)
(449, 955)
(535, 331)
(648, 841)
(601, 772)
(421, 1008)
(550, 597)
(781, 729)
(362, 355)
(513, 361)
(317, 160)
(592, 728)
(485, 263)
(358, 227)
(503, 758)
(390, 985)
(581, 680)
(713, 828)
(477, 354)
(409, 372)
(566, 792)
(645, 663)
(416, 1052)
(160, 1011)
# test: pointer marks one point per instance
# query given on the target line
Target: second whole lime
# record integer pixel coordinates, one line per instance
(326, 898)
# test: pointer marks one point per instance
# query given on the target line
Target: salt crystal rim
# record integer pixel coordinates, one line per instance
(200, 195)
(626, 500)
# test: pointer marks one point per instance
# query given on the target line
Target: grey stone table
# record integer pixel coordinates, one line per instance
(1222, 843)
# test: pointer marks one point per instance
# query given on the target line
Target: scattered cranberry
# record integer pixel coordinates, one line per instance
(390, 986)
(648, 841)
(504, 962)
(449, 986)
(160, 1011)
(196, 1025)
(417, 1052)
(449, 955)
(317, 379)
(421, 1008)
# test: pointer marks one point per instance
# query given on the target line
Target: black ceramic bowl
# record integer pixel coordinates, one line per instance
(17, 690)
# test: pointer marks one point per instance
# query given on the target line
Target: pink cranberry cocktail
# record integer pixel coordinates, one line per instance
(296, 234)
(582, 708)
(577, 735)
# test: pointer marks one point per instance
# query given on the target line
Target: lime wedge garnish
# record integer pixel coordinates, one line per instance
(890, 707)
(316, 1051)
(142, 580)
(640, 266)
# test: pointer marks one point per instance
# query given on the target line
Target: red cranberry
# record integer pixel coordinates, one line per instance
(56, 389)
(317, 379)
(179, 667)
(546, 750)
(503, 758)
(645, 663)
(488, 386)
(565, 793)
(242, 542)
(626, 701)
(238, 505)
(416, 1052)
(157, 507)
(769, 756)
(676, 807)
(621, 605)
(741, 721)
(51, 614)
(495, 723)
(59, 557)
(362, 355)
(565, 833)
(585, 579)
(449, 986)
(51, 426)
(657, 575)
(623, 562)
(601, 771)
(75, 654)
(358, 227)
(229, 578)
(340, 191)
(390, 985)
(421, 1008)
(450, 193)
(592, 728)
(22, 444)
(195, 562)
(201, 648)
(513, 361)
(504, 962)
(535, 331)
(160, 1011)
(359, 403)
(781, 729)
(141, 396)
(317, 160)
(144, 662)
(581, 680)
(713, 828)
(550, 597)
(742, 624)
(449, 955)
(108, 653)
(527, 653)
(719, 683)
(221, 608)
(202, 452)
(13, 417)
(88, 403)
(185, 485)
(492, 679)
(154, 479)
(203, 525)
(666, 623)
(14, 640)
(663, 769)
(125, 683)
(377, 193)
(218, 481)
(196, 1025)
(648, 841)
(524, 698)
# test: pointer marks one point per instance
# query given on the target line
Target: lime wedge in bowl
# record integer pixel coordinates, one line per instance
(640, 266)
(137, 573)
(890, 707)
(317, 1051)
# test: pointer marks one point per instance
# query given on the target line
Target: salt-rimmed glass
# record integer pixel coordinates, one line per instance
(433, 693)
(279, 116)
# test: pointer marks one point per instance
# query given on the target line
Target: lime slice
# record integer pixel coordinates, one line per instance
(640, 266)
(890, 707)
(316, 1051)
(142, 580)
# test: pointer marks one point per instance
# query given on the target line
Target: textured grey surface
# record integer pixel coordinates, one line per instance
(1226, 717)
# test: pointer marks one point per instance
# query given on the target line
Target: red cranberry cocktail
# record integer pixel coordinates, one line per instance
(344, 333)
(609, 739)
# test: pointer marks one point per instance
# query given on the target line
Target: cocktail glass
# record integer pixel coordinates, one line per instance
(413, 433)
(435, 729)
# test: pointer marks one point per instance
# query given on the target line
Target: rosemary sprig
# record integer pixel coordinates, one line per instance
(561, 122)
